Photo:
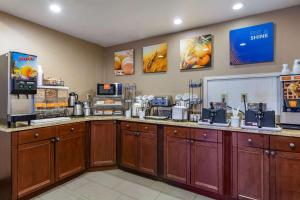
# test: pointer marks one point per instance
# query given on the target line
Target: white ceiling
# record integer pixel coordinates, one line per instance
(111, 22)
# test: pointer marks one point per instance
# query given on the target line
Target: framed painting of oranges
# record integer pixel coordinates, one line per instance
(124, 62)
(155, 58)
(196, 53)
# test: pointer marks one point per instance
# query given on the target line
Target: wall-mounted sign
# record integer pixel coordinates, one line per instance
(195, 53)
(124, 62)
(254, 44)
(155, 58)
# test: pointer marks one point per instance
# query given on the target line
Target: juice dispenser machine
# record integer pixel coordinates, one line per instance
(290, 101)
(18, 82)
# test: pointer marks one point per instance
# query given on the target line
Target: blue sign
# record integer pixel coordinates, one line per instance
(254, 44)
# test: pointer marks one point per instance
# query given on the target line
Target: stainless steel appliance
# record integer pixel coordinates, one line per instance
(160, 107)
(110, 89)
(73, 98)
(78, 109)
(179, 113)
(290, 101)
(18, 82)
(87, 109)
(162, 101)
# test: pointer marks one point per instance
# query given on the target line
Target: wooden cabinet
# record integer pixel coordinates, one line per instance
(47, 155)
(129, 143)
(177, 159)
(250, 166)
(35, 166)
(147, 152)
(252, 173)
(194, 157)
(139, 147)
(284, 168)
(285, 179)
(70, 150)
(206, 166)
(103, 143)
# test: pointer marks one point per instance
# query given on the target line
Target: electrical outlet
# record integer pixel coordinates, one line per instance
(224, 97)
(244, 96)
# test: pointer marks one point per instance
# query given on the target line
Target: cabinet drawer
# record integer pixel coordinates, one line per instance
(253, 140)
(177, 132)
(204, 135)
(68, 129)
(147, 128)
(36, 135)
(281, 143)
(130, 126)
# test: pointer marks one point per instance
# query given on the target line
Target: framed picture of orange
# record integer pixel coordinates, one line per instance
(155, 58)
(196, 53)
(124, 62)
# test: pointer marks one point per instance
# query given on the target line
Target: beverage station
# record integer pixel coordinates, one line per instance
(222, 117)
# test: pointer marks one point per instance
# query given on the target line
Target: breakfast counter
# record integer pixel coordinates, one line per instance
(22, 127)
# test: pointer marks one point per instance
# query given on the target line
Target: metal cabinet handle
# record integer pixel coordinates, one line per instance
(127, 125)
(146, 127)
(36, 135)
(53, 140)
(249, 140)
(267, 152)
(175, 131)
(273, 153)
(204, 135)
(188, 141)
(138, 134)
(191, 141)
(57, 139)
(292, 145)
(72, 129)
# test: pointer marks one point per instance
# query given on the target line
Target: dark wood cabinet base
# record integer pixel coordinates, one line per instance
(237, 165)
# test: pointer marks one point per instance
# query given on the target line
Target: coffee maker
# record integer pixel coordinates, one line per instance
(217, 113)
(18, 82)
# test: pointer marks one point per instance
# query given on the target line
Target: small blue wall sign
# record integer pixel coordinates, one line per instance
(254, 44)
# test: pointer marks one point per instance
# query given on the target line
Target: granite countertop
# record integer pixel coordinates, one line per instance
(284, 132)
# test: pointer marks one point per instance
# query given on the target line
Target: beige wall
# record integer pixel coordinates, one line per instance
(174, 81)
(77, 62)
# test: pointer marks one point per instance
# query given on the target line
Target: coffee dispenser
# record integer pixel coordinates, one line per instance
(18, 82)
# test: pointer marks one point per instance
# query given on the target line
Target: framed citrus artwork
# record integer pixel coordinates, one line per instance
(124, 62)
(155, 58)
(196, 53)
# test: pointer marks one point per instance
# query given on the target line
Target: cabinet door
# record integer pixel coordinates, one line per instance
(206, 166)
(35, 166)
(177, 159)
(147, 153)
(129, 143)
(70, 155)
(252, 178)
(103, 144)
(285, 177)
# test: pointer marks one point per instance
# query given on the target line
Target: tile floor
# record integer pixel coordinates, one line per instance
(117, 185)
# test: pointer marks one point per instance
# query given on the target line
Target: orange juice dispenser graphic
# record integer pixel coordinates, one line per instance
(19, 83)
(290, 95)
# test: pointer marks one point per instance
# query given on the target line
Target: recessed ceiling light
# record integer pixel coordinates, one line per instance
(55, 8)
(177, 21)
(237, 6)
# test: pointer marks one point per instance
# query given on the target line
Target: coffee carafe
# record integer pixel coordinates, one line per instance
(73, 98)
